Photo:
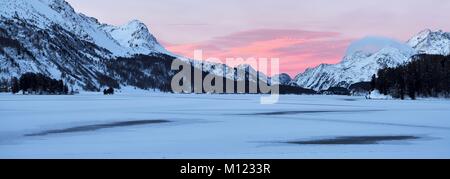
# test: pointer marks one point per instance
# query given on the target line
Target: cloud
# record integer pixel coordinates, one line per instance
(191, 24)
(372, 44)
(296, 49)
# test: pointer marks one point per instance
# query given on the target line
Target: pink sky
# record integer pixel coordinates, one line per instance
(301, 33)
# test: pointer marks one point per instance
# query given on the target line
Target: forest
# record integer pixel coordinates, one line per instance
(424, 76)
(35, 83)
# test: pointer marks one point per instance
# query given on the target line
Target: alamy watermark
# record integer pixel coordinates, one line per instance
(223, 79)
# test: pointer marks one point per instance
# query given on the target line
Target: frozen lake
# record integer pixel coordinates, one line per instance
(221, 126)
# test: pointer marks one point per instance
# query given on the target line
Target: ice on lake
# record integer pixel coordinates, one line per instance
(157, 125)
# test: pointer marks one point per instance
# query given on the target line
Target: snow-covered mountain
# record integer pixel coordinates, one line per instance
(433, 43)
(136, 37)
(281, 79)
(362, 63)
(44, 14)
(50, 37)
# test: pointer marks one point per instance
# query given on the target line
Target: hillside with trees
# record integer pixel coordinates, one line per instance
(32, 83)
(424, 76)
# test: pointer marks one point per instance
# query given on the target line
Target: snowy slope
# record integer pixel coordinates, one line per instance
(224, 70)
(360, 65)
(356, 67)
(429, 42)
(45, 13)
(136, 37)
(283, 79)
(49, 37)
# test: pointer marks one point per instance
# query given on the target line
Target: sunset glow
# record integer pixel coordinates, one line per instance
(301, 33)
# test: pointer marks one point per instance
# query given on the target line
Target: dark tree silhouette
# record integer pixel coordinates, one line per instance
(373, 82)
(31, 83)
(15, 85)
(424, 76)
(109, 91)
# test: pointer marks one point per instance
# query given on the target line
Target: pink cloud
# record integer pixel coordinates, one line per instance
(296, 49)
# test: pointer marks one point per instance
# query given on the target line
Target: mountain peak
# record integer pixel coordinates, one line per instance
(136, 23)
(59, 5)
(136, 36)
(282, 79)
(129, 39)
(431, 42)
(33, 7)
(366, 56)
(425, 32)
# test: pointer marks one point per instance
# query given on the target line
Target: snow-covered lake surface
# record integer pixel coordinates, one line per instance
(221, 126)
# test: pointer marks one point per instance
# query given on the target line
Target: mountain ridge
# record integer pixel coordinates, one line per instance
(360, 66)
(50, 37)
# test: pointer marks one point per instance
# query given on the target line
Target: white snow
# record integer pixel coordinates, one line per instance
(45, 13)
(283, 79)
(356, 67)
(135, 36)
(220, 126)
(377, 95)
(431, 42)
(366, 56)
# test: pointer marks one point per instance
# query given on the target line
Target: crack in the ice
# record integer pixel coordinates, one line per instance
(372, 123)
(310, 112)
(353, 140)
(95, 127)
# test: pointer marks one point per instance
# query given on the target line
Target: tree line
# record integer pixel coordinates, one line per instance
(32, 83)
(424, 76)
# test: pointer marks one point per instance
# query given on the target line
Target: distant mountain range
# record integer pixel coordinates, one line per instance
(360, 65)
(49, 37)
